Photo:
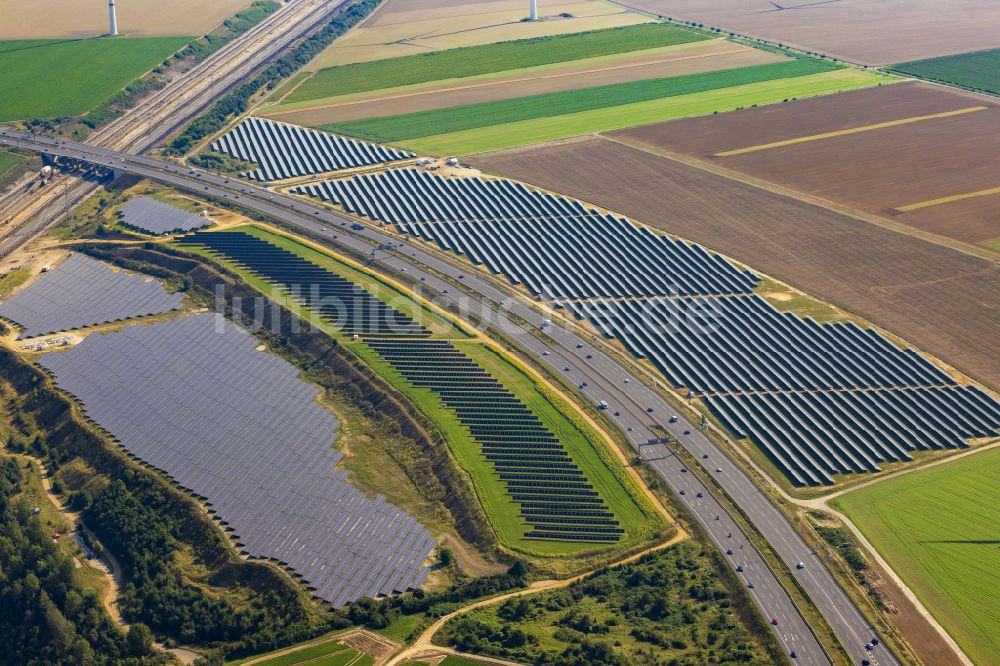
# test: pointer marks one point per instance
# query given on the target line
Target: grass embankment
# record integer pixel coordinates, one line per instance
(488, 58)
(49, 78)
(978, 71)
(333, 653)
(13, 166)
(668, 607)
(581, 443)
(486, 114)
(939, 529)
(537, 130)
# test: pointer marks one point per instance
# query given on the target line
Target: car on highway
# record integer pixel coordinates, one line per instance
(729, 551)
(774, 621)
(750, 585)
(739, 568)
(699, 494)
(799, 566)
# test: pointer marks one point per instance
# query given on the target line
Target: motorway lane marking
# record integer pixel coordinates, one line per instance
(852, 130)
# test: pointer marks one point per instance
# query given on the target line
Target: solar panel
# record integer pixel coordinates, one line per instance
(156, 217)
(286, 151)
(84, 292)
(195, 398)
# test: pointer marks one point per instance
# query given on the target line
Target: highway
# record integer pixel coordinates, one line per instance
(162, 112)
(636, 408)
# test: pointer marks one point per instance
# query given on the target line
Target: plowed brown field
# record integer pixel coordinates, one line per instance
(940, 299)
(943, 144)
(874, 32)
(656, 63)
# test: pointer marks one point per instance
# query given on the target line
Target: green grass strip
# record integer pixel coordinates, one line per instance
(46, 78)
(488, 58)
(938, 528)
(486, 114)
(978, 71)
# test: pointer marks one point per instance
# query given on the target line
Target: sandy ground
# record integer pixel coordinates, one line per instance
(137, 18)
(874, 32)
(655, 63)
(406, 27)
(944, 144)
(938, 298)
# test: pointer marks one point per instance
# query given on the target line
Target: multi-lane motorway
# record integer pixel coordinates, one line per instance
(636, 408)
(159, 114)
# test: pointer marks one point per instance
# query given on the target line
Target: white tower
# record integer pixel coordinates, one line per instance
(114, 21)
(533, 16)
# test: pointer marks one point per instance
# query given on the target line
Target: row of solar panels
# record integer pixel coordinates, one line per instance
(288, 151)
(711, 345)
(812, 436)
(81, 292)
(553, 246)
(527, 457)
(195, 398)
(156, 217)
(338, 300)
(714, 345)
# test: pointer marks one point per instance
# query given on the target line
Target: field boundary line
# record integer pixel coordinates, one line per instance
(946, 200)
(849, 131)
(490, 84)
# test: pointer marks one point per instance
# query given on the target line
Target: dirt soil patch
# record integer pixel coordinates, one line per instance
(897, 145)
(874, 32)
(655, 63)
(136, 18)
(938, 298)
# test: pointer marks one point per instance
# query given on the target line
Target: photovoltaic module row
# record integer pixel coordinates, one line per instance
(812, 436)
(288, 151)
(338, 300)
(691, 312)
(156, 217)
(712, 345)
(557, 501)
(554, 246)
(84, 292)
(194, 398)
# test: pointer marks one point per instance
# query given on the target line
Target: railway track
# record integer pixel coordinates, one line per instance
(157, 116)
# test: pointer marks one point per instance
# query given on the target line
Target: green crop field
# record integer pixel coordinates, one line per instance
(476, 60)
(979, 70)
(940, 530)
(333, 653)
(47, 78)
(628, 115)
(486, 114)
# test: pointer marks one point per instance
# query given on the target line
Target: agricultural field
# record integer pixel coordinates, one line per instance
(979, 70)
(935, 297)
(331, 653)
(71, 19)
(408, 27)
(872, 32)
(48, 78)
(937, 528)
(538, 118)
(671, 606)
(661, 62)
(911, 152)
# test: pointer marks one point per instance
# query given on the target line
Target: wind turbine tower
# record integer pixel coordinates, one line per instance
(114, 20)
(532, 17)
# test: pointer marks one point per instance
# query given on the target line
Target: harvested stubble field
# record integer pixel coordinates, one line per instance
(874, 32)
(879, 150)
(938, 529)
(942, 300)
(979, 70)
(408, 27)
(136, 18)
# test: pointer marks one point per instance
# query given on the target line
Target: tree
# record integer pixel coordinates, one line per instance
(139, 640)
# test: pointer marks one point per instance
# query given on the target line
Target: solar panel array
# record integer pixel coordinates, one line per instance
(84, 292)
(819, 399)
(194, 397)
(287, 151)
(814, 435)
(554, 246)
(335, 298)
(556, 500)
(156, 217)
(710, 345)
